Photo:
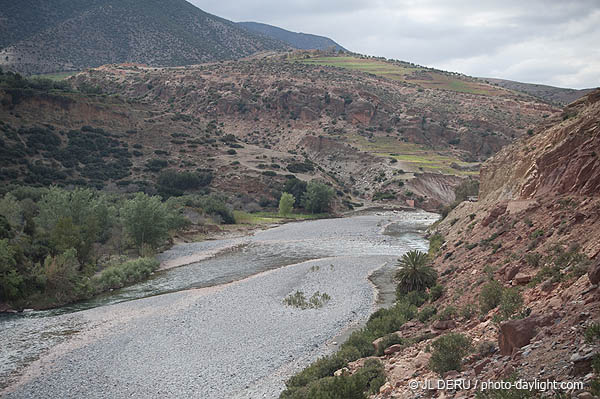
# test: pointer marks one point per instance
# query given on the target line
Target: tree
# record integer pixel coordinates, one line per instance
(286, 204)
(297, 188)
(415, 274)
(317, 198)
(10, 280)
(146, 220)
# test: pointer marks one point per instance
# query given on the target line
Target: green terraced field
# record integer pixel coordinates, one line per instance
(426, 78)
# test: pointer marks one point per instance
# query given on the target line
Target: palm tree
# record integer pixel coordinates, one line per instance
(415, 274)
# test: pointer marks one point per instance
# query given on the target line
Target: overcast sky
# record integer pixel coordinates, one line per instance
(555, 42)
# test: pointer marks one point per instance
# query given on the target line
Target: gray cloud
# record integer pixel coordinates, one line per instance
(537, 41)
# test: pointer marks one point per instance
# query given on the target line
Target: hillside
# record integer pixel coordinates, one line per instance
(371, 137)
(62, 36)
(551, 94)
(518, 271)
(302, 41)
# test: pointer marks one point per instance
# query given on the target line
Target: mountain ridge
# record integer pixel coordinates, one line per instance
(299, 40)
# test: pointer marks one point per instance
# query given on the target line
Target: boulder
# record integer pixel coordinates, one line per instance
(393, 349)
(594, 273)
(444, 324)
(516, 334)
(582, 364)
(511, 272)
(522, 278)
(499, 210)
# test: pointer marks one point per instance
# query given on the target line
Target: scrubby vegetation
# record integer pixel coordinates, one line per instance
(298, 300)
(59, 246)
(448, 352)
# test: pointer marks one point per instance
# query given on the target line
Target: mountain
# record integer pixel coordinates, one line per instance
(42, 37)
(519, 268)
(551, 94)
(388, 137)
(303, 41)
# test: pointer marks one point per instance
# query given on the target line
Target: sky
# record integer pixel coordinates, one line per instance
(535, 41)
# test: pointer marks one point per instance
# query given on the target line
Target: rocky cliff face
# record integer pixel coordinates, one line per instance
(536, 232)
(562, 159)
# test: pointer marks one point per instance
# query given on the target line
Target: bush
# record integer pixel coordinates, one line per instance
(415, 274)
(125, 274)
(387, 341)
(174, 183)
(490, 296)
(436, 292)
(213, 205)
(298, 300)
(511, 302)
(435, 243)
(426, 313)
(448, 352)
(416, 298)
(10, 279)
(367, 380)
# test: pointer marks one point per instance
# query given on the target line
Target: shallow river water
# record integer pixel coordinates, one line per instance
(218, 327)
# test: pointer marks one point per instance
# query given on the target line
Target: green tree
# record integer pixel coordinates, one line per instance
(83, 212)
(415, 273)
(146, 220)
(62, 277)
(11, 209)
(297, 188)
(286, 204)
(10, 280)
(318, 196)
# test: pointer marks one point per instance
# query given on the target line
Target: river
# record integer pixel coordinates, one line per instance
(218, 327)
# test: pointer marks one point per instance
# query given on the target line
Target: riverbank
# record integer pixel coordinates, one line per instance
(240, 331)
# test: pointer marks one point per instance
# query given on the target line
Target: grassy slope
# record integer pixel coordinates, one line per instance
(423, 77)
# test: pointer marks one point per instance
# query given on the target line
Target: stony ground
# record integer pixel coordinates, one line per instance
(233, 340)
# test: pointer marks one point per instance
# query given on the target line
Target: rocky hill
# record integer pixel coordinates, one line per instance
(303, 41)
(551, 94)
(519, 268)
(42, 37)
(258, 120)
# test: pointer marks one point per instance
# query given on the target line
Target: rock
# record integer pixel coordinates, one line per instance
(585, 395)
(422, 359)
(594, 273)
(515, 334)
(511, 272)
(478, 368)
(393, 349)
(444, 324)
(494, 213)
(342, 371)
(582, 364)
(386, 388)
(522, 278)
(547, 285)
(452, 375)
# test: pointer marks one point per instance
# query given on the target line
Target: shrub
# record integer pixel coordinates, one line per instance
(533, 259)
(510, 303)
(125, 274)
(436, 292)
(448, 352)
(298, 300)
(301, 167)
(213, 205)
(426, 313)
(416, 298)
(490, 296)
(172, 182)
(435, 244)
(415, 274)
(10, 279)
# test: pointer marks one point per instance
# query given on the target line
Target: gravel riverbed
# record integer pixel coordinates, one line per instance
(236, 339)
